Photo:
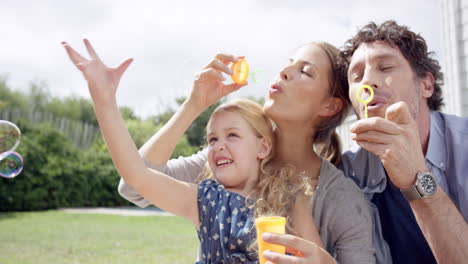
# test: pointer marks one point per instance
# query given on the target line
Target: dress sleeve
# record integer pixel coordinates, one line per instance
(208, 198)
(183, 168)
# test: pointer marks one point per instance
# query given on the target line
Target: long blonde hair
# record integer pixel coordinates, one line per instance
(277, 186)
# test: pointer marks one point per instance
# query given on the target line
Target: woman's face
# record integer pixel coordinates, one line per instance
(299, 91)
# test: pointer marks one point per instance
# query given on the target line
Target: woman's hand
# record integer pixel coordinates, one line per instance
(310, 252)
(208, 87)
(102, 80)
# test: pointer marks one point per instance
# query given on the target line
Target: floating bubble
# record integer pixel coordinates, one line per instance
(255, 78)
(10, 136)
(11, 165)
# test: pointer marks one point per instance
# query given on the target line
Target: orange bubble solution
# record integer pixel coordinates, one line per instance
(272, 225)
(240, 70)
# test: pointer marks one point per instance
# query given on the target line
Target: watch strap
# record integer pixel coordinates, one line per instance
(411, 193)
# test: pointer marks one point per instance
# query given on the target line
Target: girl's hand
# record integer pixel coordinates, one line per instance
(208, 86)
(102, 80)
(309, 251)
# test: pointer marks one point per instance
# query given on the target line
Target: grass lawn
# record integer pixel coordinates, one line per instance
(56, 237)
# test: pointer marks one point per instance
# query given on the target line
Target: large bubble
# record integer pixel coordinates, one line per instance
(10, 136)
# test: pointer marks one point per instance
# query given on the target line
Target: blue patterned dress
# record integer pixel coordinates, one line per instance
(226, 226)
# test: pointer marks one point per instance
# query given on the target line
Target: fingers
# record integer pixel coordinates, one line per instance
(123, 66)
(233, 87)
(74, 56)
(278, 258)
(219, 66)
(399, 113)
(210, 73)
(373, 136)
(376, 124)
(290, 241)
(377, 149)
(92, 53)
(80, 67)
(226, 58)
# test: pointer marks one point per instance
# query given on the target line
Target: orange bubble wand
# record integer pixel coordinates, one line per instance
(240, 71)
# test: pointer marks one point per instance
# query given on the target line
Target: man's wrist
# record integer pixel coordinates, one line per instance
(425, 186)
(431, 206)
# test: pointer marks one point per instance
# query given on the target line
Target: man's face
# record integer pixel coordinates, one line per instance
(387, 71)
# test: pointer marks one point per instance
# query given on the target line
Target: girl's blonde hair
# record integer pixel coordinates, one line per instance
(277, 186)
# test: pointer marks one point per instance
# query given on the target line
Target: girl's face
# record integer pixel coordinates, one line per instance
(300, 90)
(234, 151)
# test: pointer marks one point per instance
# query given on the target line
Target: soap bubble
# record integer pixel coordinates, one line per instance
(11, 165)
(10, 136)
(257, 75)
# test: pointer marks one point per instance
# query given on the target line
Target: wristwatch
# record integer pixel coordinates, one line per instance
(425, 187)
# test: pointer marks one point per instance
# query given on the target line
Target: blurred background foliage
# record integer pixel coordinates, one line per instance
(66, 163)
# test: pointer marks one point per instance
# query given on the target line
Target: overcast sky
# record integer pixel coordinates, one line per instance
(171, 40)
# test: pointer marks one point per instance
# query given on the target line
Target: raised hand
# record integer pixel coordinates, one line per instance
(395, 140)
(208, 86)
(102, 80)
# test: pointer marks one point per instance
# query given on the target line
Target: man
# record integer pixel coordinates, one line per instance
(423, 183)
(412, 161)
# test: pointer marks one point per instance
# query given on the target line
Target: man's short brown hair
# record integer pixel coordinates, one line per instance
(412, 46)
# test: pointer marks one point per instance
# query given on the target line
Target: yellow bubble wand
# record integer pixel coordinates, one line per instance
(368, 100)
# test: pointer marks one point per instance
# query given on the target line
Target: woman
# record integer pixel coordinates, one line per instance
(307, 101)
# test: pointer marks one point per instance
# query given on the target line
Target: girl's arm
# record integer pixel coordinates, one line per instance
(177, 197)
(186, 169)
(169, 194)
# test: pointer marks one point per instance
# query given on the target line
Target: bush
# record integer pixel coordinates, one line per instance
(58, 174)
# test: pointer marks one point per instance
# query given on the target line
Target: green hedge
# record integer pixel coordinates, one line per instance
(57, 174)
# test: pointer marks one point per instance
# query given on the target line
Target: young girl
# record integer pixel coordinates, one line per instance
(240, 139)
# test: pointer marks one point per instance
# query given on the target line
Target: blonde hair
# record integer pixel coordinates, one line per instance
(277, 186)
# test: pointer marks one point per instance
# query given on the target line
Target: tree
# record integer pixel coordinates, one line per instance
(9, 98)
(196, 133)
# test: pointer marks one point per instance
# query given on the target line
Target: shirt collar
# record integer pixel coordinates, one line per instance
(437, 149)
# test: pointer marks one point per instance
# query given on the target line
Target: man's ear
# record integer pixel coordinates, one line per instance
(331, 106)
(427, 85)
(265, 148)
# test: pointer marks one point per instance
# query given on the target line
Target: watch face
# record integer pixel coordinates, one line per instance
(428, 184)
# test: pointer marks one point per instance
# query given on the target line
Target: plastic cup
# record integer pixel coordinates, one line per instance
(274, 224)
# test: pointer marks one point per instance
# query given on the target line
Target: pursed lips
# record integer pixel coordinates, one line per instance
(276, 88)
(376, 102)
